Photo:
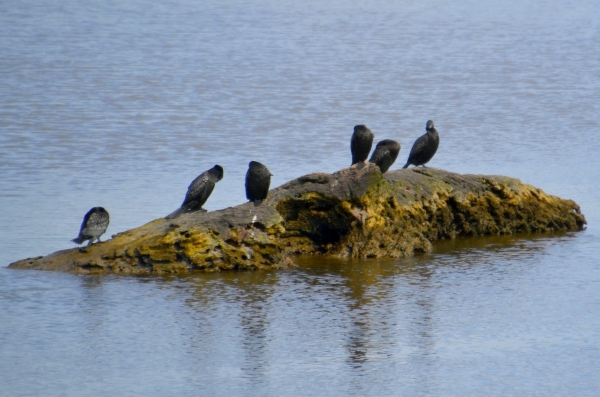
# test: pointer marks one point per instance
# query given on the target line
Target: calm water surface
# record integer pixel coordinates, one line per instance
(122, 104)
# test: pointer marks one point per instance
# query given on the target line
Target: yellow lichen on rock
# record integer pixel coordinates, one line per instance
(357, 213)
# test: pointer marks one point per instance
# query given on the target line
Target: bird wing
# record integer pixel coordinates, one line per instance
(379, 154)
(199, 189)
(353, 146)
(419, 145)
(85, 220)
(96, 220)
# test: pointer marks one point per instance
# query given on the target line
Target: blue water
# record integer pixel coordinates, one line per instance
(122, 104)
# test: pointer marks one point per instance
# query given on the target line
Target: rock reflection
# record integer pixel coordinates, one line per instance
(527, 242)
(362, 314)
(374, 291)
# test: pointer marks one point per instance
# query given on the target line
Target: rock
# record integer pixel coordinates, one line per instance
(353, 212)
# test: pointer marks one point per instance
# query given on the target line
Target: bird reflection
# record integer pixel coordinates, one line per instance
(362, 313)
(362, 284)
(249, 293)
(358, 343)
(373, 337)
(254, 324)
(91, 281)
(370, 290)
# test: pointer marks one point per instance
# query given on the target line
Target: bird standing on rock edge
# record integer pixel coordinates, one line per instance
(258, 179)
(93, 226)
(385, 154)
(360, 145)
(424, 147)
(199, 191)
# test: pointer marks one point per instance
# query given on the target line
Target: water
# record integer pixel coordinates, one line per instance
(122, 104)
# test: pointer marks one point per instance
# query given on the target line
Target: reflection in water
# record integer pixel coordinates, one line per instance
(426, 325)
(248, 296)
(374, 292)
(122, 105)
(253, 313)
(91, 282)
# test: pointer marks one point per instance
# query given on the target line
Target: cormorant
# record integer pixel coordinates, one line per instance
(385, 154)
(424, 147)
(360, 144)
(199, 191)
(93, 226)
(258, 179)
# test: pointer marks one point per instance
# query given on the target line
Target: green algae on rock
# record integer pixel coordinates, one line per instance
(357, 213)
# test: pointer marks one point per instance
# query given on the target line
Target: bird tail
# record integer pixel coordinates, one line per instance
(406, 165)
(180, 210)
(80, 239)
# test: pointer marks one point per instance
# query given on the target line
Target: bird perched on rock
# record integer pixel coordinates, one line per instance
(385, 154)
(199, 191)
(93, 226)
(360, 144)
(258, 179)
(424, 147)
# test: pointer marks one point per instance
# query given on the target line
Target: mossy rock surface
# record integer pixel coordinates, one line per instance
(357, 213)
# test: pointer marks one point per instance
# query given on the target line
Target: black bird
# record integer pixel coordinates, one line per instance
(424, 147)
(199, 191)
(93, 226)
(385, 154)
(360, 144)
(258, 179)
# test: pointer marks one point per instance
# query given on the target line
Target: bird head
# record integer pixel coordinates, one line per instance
(219, 172)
